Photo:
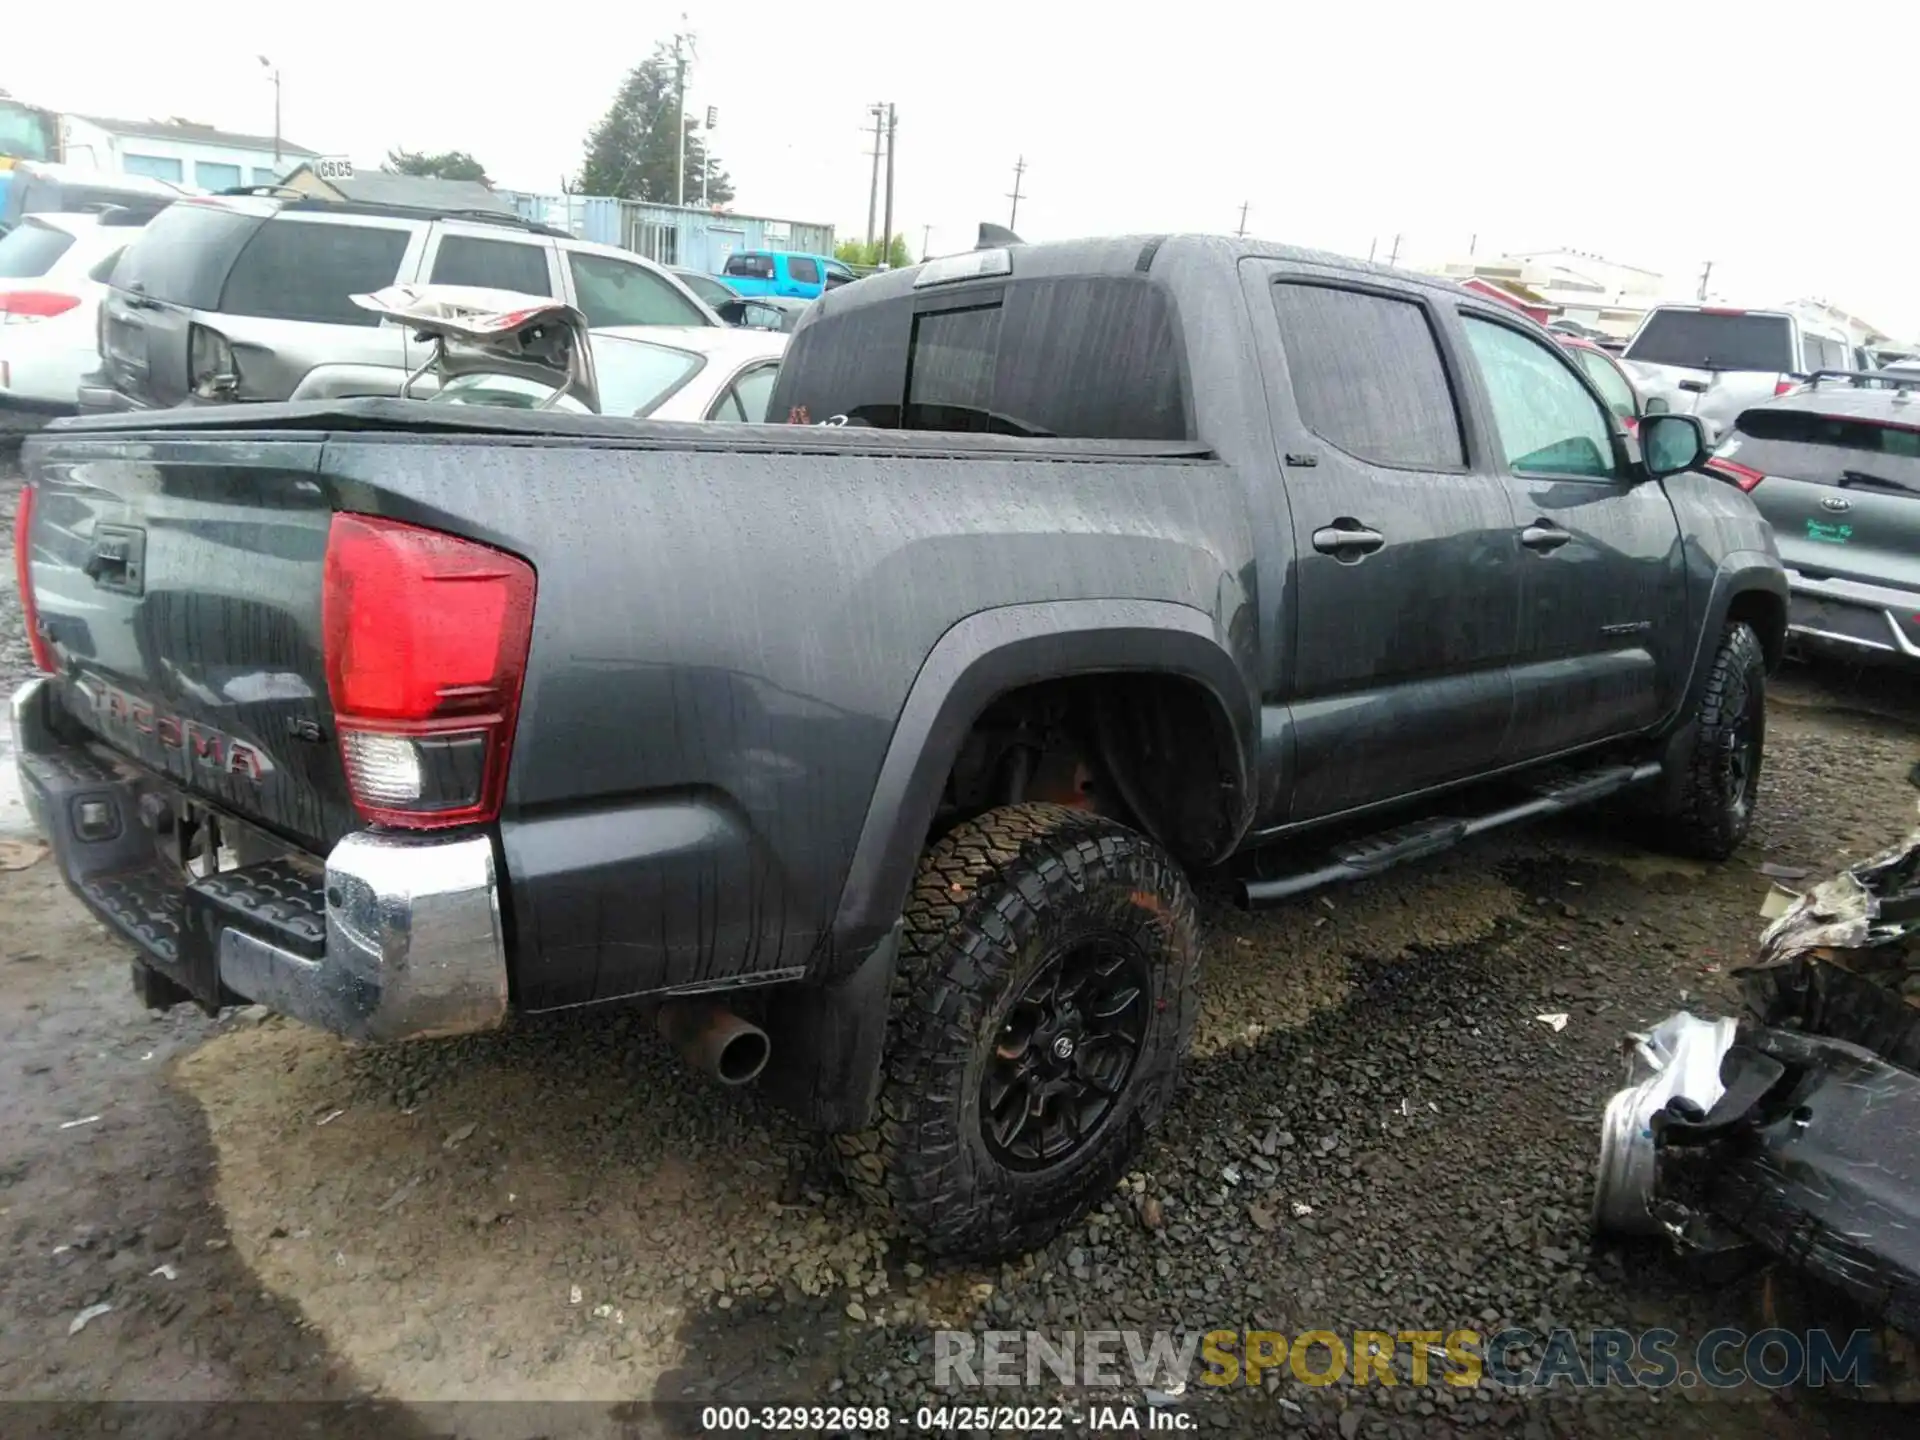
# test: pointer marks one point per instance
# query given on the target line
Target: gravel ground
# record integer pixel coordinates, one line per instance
(1375, 1132)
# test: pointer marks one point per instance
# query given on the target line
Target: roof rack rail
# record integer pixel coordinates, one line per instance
(286, 190)
(1898, 379)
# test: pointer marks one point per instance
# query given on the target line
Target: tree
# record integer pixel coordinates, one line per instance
(630, 152)
(445, 165)
(859, 252)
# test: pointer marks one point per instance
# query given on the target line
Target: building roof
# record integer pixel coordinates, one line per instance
(419, 192)
(192, 133)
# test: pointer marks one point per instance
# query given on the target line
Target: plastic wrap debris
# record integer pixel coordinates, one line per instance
(1679, 1057)
(1804, 1145)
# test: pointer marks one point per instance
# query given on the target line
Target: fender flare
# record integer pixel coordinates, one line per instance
(1740, 572)
(987, 655)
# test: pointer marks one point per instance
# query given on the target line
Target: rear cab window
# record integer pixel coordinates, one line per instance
(1716, 340)
(751, 267)
(1368, 377)
(31, 249)
(1080, 357)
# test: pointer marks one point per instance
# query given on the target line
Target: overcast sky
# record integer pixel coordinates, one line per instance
(1658, 134)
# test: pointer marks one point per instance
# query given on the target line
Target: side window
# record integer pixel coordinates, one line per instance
(1368, 376)
(305, 270)
(750, 266)
(495, 264)
(838, 274)
(1613, 386)
(803, 270)
(746, 399)
(1548, 423)
(618, 292)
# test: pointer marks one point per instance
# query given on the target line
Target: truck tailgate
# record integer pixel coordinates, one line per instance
(180, 579)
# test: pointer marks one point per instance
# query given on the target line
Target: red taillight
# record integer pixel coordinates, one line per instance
(1781, 387)
(23, 573)
(1745, 476)
(426, 646)
(34, 304)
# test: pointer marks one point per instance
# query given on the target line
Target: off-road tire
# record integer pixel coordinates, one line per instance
(992, 900)
(1710, 808)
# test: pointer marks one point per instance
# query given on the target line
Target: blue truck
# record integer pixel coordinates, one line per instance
(784, 272)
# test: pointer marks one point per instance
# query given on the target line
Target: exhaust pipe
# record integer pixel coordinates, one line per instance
(714, 1040)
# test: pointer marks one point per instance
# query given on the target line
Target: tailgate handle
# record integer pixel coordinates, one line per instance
(117, 559)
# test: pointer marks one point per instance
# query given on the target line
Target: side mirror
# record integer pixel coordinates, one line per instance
(1670, 444)
(1656, 405)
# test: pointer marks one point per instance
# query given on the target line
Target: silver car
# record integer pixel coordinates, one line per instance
(1714, 361)
(1835, 469)
(246, 297)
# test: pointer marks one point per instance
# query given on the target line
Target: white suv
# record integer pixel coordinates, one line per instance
(52, 274)
(1714, 361)
(246, 297)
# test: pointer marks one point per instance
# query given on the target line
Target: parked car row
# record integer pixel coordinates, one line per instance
(1834, 467)
(247, 297)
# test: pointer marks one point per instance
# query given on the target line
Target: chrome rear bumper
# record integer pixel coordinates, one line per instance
(391, 937)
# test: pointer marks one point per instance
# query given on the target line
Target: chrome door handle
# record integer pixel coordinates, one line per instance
(1542, 536)
(1347, 541)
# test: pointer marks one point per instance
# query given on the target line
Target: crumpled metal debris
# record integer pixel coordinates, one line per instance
(1793, 1131)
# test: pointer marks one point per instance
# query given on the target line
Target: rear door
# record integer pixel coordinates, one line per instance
(462, 252)
(1406, 589)
(1840, 484)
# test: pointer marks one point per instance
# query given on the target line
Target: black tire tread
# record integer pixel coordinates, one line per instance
(1700, 824)
(967, 898)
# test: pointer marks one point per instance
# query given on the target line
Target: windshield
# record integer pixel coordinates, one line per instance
(634, 376)
(1705, 340)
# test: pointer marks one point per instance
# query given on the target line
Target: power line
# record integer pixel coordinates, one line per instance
(1019, 169)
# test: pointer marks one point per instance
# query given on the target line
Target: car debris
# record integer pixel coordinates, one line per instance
(87, 1316)
(1794, 1130)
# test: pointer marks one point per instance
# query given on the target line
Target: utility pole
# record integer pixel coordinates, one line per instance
(1395, 255)
(680, 119)
(1473, 243)
(886, 240)
(705, 164)
(1705, 271)
(1372, 246)
(879, 113)
(1242, 231)
(926, 240)
(1019, 169)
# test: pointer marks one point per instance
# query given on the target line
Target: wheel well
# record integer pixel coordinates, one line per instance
(1156, 751)
(1767, 614)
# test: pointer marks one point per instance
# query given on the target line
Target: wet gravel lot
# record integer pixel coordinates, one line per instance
(1375, 1132)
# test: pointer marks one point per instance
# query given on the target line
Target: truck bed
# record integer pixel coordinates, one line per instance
(727, 624)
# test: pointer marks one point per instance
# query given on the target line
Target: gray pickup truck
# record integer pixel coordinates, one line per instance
(875, 748)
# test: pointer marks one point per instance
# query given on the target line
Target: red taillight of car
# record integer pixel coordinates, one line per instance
(34, 304)
(426, 647)
(1745, 476)
(1781, 387)
(23, 573)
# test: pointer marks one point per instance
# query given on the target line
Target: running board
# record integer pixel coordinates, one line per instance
(1369, 855)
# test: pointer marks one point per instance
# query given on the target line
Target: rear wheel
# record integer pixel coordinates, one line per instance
(1048, 986)
(1711, 806)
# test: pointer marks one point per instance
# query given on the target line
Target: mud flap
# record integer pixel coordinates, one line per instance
(829, 1041)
